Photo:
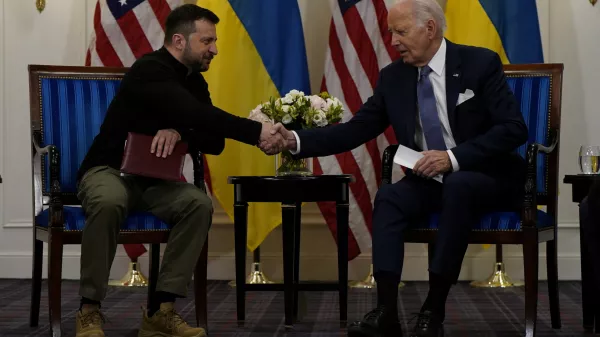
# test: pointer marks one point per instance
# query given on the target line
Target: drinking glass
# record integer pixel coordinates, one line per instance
(589, 156)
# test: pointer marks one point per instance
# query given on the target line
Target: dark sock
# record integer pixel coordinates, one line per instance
(87, 301)
(158, 298)
(439, 287)
(387, 290)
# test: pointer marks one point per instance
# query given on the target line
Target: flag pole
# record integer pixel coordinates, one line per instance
(368, 282)
(256, 275)
(499, 278)
(134, 276)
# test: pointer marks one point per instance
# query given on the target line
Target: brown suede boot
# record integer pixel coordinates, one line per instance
(166, 322)
(89, 322)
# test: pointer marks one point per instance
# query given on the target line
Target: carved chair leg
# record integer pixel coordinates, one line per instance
(36, 282)
(552, 266)
(55, 257)
(153, 270)
(531, 264)
(200, 275)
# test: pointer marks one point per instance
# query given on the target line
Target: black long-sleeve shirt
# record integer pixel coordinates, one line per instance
(158, 92)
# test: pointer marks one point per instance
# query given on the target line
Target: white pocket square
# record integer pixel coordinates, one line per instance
(465, 97)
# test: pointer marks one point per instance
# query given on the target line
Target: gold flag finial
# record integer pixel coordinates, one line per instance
(40, 5)
(593, 2)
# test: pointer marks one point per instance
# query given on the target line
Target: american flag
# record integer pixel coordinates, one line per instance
(123, 31)
(359, 47)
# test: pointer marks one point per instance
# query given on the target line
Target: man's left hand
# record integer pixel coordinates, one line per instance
(432, 164)
(164, 142)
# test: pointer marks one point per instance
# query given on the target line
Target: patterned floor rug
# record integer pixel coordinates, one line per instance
(470, 311)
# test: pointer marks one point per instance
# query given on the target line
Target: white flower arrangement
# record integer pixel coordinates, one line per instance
(298, 111)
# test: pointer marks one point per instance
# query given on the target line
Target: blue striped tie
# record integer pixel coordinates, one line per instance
(428, 110)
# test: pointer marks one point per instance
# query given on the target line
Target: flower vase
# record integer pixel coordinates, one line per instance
(287, 165)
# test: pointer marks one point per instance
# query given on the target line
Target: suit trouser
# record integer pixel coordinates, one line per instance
(107, 198)
(461, 200)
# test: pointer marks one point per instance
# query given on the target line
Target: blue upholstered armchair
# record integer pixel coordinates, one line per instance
(68, 105)
(538, 88)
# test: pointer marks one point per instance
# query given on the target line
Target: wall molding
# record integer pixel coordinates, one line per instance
(312, 266)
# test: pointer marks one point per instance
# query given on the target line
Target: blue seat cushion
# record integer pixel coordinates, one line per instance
(496, 221)
(75, 220)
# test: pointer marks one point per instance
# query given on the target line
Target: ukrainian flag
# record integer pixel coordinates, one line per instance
(261, 53)
(508, 27)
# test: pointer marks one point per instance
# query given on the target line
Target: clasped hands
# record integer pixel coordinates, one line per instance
(275, 139)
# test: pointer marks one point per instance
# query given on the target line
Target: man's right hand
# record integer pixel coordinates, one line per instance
(288, 136)
(164, 142)
(270, 142)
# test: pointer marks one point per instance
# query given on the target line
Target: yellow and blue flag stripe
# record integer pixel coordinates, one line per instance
(509, 27)
(261, 53)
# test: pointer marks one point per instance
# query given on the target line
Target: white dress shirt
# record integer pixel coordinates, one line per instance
(438, 81)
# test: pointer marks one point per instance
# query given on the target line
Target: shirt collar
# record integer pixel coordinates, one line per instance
(438, 62)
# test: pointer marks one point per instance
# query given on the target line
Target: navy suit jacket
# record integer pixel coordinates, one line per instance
(487, 128)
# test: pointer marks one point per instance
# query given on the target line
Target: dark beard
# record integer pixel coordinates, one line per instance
(196, 67)
(193, 65)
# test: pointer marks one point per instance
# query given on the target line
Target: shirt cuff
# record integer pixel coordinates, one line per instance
(453, 160)
(297, 144)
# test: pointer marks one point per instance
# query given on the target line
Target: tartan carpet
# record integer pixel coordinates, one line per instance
(469, 311)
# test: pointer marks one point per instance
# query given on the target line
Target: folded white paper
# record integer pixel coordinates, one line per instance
(408, 158)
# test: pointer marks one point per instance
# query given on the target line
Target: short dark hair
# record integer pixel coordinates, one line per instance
(182, 20)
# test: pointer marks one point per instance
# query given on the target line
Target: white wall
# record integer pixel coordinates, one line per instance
(59, 35)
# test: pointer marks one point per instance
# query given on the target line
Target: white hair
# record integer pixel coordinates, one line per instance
(429, 10)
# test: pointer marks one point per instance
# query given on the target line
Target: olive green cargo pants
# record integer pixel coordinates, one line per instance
(107, 197)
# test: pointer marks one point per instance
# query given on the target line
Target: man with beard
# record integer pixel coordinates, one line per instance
(163, 94)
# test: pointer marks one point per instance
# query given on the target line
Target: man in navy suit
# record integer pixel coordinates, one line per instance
(452, 103)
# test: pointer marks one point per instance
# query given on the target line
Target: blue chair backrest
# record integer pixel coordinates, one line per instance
(72, 111)
(534, 93)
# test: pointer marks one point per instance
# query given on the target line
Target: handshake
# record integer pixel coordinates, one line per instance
(275, 139)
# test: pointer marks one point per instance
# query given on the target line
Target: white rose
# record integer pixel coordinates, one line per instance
(258, 115)
(285, 108)
(288, 99)
(320, 119)
(329, 103)
(293, 93)
(287, 119)
(317, 102)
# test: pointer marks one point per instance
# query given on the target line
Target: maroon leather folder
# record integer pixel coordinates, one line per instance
(137, 159)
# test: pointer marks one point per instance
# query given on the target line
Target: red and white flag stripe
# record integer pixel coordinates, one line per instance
(358, 49)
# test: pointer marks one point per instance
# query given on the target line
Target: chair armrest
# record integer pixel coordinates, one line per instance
(529, 212)
(56, 218)
(198, 166)
(387, 164)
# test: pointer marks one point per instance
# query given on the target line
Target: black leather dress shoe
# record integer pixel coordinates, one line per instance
(428, 325)
(379, 322)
